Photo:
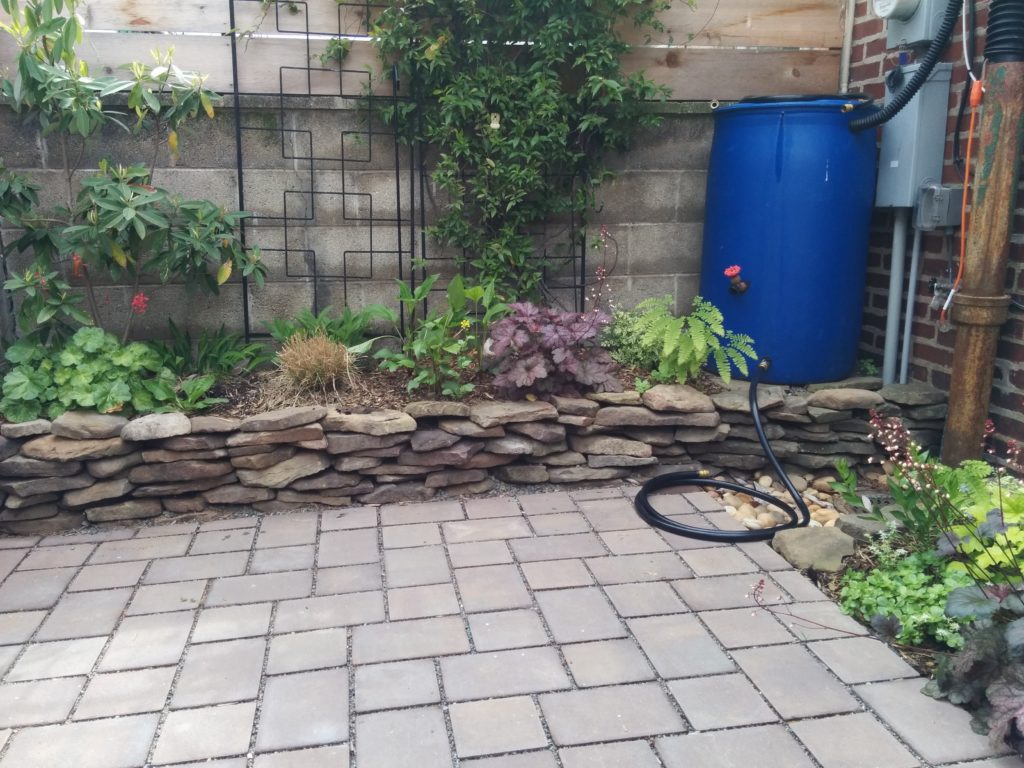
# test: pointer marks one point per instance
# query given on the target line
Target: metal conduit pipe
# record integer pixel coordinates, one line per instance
(901, 220)
(908, 317)
(981, 306)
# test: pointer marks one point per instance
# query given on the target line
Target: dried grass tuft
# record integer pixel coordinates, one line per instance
(318, 364)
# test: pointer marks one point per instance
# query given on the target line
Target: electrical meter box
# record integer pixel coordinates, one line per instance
(913, 142)
(910, 23)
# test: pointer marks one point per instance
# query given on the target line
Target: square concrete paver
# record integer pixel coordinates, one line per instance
(38, 701)
(623, 569)
(416, 566)
(162, 598)
(231, 622)
(415, 535)
(198, 734)
(197, 567)
(32, 590)
(329, 611)
(317, 757)
(794, 681)
(634, 542)
(296, 558)
(507, 629)
(557, 547)
(56, 557)
(415, 639)
(575, 615)
(303, 710)
(678, 646)
(559, 523)
(420, 602)
(84, 614)
(304, 651)
(609, 714)
(721, 701)
(634, 754)
(108, 576)
(492, 588)
(125, 693)
(648, 599)
(762, 745)
(397, 684)
(939, 732)
(557, 574)
(852, 741)
(116, 743)
(148, 641)
(422, 512)
(496, 726)
(861, 660)
(718, 561)
(215, 673)
(409, 737)
(607, 662)
(742, 627)
(348, 578)
(487, 529)
(479, 553)
(237, 590)
(63, 658)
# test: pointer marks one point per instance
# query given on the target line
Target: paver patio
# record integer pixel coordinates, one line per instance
(535, 631)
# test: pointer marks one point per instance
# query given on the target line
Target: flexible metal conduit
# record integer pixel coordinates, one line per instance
(798, 518)
(901, 98)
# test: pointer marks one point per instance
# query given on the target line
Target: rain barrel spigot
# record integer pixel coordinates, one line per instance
(736, 283)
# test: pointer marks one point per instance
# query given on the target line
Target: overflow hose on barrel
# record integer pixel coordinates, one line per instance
(798, 518)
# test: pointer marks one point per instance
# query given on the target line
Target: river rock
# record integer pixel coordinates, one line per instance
(22, 466)
(102, 468)
(81, 425)
(821, 549)
(454, 455)
(677, 397)
(736, 398)
(103, 490)
(286, 472)
(378, 423)
(493, 414)
(544, 431)
(277, 437)
(23, 502)
(562, 459)
(184, 505)
(651, 435)
(129, 509)
(194, 443)
(467, 428)
(575, 406)
(845, 399)
(575, 421)
(156, 426)
(486, 461)
(264, 460)
(213, 424)
(53, 448)
(913, 393)
(702, 434)
(428, 409)
(391, 493)
(166, 457)
(25, 429)
(522, 473)
(237, 494)
(432, 440)
(584, 474)
(178, 471)
(40, 485)
(33, 512)
(339, 443)
(450, 477)
(471, 489)
(610, 446)
(827, 415)
(745, 432)
(861, 527)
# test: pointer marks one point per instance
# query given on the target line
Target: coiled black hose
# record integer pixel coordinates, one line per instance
(701, 479)
(901, 98)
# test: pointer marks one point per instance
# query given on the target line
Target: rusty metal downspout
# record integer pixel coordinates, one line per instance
(980, 308)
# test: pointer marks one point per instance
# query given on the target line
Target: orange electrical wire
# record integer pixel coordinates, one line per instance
(977, 94)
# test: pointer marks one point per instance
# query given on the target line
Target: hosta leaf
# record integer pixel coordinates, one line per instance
(970, 602)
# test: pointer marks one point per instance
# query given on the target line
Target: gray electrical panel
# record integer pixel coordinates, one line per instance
(938, 207)
(913, 142)
(919, 29)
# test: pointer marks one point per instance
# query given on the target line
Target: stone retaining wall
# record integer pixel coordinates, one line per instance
(105, 468)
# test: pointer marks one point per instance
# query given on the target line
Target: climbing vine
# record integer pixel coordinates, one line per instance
(523, 99)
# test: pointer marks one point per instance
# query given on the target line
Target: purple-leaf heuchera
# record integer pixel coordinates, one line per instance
(547, 351)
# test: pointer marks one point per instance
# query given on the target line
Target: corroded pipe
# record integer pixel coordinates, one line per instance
(980, 307)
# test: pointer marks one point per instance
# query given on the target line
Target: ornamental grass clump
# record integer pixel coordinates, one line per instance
(317, 363)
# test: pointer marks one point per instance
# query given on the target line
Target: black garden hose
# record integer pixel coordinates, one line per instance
(901, 98)
(798, 518)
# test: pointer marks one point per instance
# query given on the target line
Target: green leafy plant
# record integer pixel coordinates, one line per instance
(525, 100)
(685, 344)
(642, 385)
(93, 370)
(624, 340)
(115, 222)
(444, 349)
(218, 353)
(909, 588)
(867, 367)
(336, 51)
(348, 328)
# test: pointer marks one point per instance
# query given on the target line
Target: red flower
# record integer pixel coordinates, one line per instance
(140, 302)
(732, 271)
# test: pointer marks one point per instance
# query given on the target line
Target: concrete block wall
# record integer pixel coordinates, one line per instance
(932, 348)
(653, 208)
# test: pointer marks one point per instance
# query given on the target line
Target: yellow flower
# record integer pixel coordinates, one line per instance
(465, 324)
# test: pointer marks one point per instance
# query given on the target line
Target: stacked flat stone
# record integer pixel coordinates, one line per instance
(102, 468)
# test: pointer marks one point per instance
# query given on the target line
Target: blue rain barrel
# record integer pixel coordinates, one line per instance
(789, 199)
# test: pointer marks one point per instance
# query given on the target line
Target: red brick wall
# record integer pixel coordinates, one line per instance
(932, 350)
